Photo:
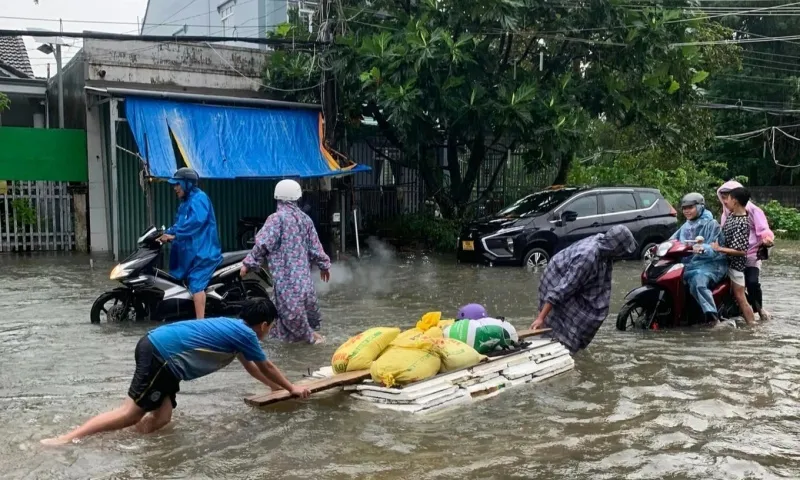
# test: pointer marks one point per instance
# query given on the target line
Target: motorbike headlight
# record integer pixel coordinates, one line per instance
(121, 271)
(663, 249)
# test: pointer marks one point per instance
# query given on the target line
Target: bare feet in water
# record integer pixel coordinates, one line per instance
(55, 441)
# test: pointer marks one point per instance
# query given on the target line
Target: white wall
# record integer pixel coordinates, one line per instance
(190, 65)
(251, 18)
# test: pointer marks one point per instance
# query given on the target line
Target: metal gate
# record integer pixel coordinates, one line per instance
(35, 216)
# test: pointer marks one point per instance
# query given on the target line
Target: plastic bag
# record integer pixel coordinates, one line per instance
(403, 365)
(358, 352)
(484, 335)
(456, 355)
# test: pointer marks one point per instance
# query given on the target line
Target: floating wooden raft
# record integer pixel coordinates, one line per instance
(324, 379)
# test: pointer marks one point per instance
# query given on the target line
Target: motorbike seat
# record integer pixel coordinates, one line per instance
(229, 258)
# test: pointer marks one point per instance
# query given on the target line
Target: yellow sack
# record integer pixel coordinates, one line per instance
(403, 365)
(456, 355)
(358, 352)
(446, 323)
(415, 334)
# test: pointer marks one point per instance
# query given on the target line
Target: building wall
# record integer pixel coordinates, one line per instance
(173, 64)
(74, 99)
(23, 112)
(251, 18)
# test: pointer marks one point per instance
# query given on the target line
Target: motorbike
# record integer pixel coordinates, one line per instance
(246, 230)
(664, 300)
(149, 293)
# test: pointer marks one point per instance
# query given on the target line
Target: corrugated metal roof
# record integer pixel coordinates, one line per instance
(14, 54)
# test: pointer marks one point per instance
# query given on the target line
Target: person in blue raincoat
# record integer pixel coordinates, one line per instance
(706, 267)
(196, 252)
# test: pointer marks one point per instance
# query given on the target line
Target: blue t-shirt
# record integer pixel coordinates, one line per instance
(195, 348)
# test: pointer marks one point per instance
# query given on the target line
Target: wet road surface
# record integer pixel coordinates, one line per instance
(680, 404)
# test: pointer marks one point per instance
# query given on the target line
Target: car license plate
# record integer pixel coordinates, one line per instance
(468, 245)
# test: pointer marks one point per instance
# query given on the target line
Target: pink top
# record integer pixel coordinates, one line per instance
(759, 226)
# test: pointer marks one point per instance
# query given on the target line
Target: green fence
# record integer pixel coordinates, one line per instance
(232, 199)
(38, 154)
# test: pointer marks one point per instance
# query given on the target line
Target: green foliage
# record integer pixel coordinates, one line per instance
(783, 218)
(24, 212)
(673, 175)
(4, 102)
(422, 231)
(465, 75)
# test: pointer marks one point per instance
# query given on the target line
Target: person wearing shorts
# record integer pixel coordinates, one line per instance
(737, 234)
(187, 350)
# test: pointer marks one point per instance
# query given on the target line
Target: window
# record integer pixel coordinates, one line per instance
(619, 202)
(226, 17)
(540, 202)
(584, 206)
(647, 199)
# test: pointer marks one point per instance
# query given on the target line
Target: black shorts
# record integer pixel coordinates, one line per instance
(152, 381)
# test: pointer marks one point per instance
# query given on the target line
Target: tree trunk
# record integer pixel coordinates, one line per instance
(563, 171)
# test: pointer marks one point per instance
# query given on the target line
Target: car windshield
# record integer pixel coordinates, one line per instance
(539, 202)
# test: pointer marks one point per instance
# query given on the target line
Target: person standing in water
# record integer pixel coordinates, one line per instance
(759, 235)
(196, 252)
(737, 232)
(575, 289)
(289, 243)
(185, 351)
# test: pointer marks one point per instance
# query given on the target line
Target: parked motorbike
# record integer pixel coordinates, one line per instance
(149, 293)
(664, 300)
(246, 230)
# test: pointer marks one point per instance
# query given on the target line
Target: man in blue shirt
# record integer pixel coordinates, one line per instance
(195, 250)
(185, 351)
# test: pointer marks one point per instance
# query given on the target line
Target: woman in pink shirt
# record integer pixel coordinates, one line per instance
(760, 234)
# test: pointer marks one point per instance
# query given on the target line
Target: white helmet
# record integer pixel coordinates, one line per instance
(288, 191)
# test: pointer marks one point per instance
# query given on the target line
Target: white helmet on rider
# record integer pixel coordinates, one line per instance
(288, 191)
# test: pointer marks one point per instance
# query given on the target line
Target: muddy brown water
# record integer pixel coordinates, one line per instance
(679, 404)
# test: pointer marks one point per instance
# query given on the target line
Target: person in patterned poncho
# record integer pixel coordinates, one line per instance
(575, 290)
(289, 243)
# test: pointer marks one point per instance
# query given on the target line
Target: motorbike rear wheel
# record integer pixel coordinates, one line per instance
(634, 314)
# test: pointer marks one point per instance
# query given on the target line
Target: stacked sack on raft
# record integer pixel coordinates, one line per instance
(433, 346)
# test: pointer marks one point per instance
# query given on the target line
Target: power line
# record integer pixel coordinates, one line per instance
(157, 38)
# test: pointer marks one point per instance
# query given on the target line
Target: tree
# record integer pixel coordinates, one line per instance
(472, 76)
(4, 102)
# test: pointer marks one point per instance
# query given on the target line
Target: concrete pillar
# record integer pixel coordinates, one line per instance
(80, 218)
(97, 194)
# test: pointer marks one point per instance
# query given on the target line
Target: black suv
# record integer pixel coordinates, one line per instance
(540, 225)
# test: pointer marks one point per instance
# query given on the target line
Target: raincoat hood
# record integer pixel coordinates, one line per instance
(618, 241)
(187, 186)
(727, 187)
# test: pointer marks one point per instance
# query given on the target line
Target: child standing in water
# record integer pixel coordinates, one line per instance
(737, 234)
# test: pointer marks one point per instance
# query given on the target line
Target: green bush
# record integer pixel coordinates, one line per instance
(783, 218)
(422, 231)
(24, 212)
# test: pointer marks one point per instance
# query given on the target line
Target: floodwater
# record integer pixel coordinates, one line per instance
(688, 404)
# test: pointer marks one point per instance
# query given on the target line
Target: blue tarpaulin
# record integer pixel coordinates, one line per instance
(231, 142)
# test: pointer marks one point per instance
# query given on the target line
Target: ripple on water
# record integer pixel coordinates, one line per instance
(639, 405)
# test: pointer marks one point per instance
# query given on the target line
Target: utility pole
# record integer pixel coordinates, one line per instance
(60, 78)
(336, 204)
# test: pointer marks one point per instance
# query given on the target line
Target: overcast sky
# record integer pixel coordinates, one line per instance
(78, 15)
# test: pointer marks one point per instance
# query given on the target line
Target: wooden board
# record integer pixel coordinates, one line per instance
(340, 380)
(315, 385)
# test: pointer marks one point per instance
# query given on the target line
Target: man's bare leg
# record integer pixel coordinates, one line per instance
(199, 305)
(157, 419)
(125, 416)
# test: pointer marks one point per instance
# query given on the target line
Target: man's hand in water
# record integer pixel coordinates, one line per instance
(300, 391)
(243, 271)
(166, 238)
(325, 275)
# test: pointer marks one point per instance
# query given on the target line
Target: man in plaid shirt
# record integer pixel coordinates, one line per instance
(575, 290)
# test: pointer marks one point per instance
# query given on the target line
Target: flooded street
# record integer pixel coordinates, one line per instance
(681, 404)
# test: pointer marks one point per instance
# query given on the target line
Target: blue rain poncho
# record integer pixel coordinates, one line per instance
(196, 252)
(703, 270)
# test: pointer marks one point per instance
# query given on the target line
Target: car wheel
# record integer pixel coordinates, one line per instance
(536, 258)
(647, 251)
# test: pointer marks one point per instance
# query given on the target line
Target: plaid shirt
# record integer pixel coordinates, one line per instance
(577, 283)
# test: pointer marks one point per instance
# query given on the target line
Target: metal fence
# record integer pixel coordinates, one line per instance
(35, 216)
(786, 196)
